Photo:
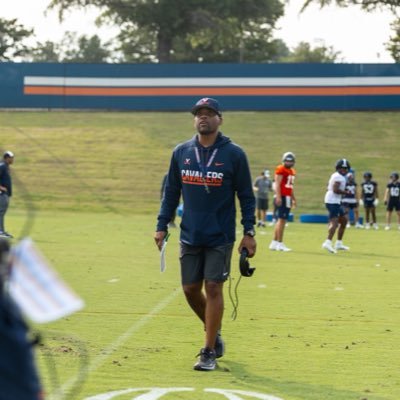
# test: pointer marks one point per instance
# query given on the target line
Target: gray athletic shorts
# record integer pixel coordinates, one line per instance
(205, 263)
(262, 204)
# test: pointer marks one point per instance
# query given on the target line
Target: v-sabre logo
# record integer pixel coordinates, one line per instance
(193, 177)
(157, 393)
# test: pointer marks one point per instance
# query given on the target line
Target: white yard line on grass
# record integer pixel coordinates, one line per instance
(102, 357)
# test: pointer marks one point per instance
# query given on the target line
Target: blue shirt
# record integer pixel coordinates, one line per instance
(5, 177)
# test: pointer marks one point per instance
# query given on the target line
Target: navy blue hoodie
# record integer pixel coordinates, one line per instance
(208, 178)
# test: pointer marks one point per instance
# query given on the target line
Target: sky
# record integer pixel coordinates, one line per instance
(357, 35)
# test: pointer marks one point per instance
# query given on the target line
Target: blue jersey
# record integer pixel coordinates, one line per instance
(369, 190)
(394, 191)
(350, 197)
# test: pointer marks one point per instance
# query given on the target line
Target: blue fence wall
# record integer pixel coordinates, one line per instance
(160, 87)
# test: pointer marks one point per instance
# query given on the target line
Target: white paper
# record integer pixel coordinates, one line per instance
(36, 287)
(163, 264)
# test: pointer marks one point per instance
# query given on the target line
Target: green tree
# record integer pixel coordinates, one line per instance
(12, 36)
(45, 52)
(71, 48)
(83, 49)
(304, 53)
(137, 45)
(188, 30)
(393, 46)
(230, 43)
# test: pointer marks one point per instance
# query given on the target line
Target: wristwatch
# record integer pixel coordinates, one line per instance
(250, 232)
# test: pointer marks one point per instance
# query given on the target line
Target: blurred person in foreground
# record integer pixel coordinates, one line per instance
(333, 202)
(284, 198)
(209, 170)
(18, 375)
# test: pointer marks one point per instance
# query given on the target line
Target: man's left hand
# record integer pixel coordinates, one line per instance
(250, 244)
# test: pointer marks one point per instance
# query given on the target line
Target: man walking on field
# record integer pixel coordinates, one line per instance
(209, 171)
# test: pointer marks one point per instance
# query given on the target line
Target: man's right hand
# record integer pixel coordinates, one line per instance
(159, 238)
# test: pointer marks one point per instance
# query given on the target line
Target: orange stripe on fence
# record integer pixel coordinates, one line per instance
(209, 91)
(50, 90)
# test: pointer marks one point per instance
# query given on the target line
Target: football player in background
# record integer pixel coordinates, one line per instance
(392, 199)
(333, 202)
(284, 198)
(351, 199)
(262, 186)
(370, 199)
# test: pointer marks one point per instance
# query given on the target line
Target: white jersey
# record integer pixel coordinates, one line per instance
(331, 197)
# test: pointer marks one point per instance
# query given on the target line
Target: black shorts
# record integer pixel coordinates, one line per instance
(200, 263)
(393, 205)
(368, 203)
(351, 206)
(262, 204)
(283, 210)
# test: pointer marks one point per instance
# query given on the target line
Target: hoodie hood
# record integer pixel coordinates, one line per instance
(221, 140)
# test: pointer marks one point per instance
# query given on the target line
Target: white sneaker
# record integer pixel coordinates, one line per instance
(359, 226)
(376, 226)
(348, 225)
(387, 227)
(274, 245)
(367, 226)
(282, 247)
(340, 246)
(328, 246)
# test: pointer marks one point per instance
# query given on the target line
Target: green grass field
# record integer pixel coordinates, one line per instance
(310, 326)
(115, 161)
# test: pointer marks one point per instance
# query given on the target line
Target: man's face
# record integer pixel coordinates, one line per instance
(9, 160)
(206, 121)
(288, 163)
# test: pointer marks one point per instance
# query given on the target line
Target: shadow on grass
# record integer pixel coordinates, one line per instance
(296, 390)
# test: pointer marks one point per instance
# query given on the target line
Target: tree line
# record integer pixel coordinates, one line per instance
(179, 31)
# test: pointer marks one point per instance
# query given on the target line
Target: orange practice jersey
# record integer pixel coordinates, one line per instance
(288, 175)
